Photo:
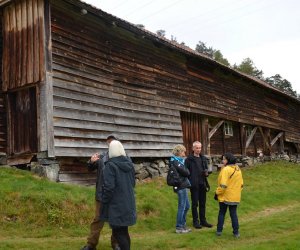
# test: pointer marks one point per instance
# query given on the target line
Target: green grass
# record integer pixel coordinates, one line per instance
(38, 214)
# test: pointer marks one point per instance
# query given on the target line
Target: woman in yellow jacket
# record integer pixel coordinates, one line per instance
(228, 193)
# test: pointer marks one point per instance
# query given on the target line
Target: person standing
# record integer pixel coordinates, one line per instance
(118, 198)
(228, 193)
(177, 161)
(97, 162)
(196, 163)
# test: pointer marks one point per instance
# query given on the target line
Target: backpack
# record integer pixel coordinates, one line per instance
(173, 177)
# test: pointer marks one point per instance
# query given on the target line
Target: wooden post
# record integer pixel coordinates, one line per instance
(281, 145)
(266, 138)
(205, 136)
(249, 139)
(242, 139)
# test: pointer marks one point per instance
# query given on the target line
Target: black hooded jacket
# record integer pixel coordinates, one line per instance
(99, 166)
(196, 166)
(118, 198)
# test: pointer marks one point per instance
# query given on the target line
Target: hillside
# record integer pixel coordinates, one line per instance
(38, 214)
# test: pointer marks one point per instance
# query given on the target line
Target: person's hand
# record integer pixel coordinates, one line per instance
(216, 197)
(95, 157)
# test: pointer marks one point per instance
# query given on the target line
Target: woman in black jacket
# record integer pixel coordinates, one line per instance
(118, 197)
(177, 161)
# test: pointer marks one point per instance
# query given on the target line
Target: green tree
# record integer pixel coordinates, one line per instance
(218, 56)
(284, 85)
(202, 48)
(247, 66)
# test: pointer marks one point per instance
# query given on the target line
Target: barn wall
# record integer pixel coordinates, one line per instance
(98, 89)
(109, 79)
(23, 53)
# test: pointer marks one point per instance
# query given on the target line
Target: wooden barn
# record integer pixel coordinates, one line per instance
(72, 74)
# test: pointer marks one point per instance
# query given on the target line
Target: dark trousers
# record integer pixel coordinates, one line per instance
(233, 216)
(122, 236)
(198, 197)
(96, 228)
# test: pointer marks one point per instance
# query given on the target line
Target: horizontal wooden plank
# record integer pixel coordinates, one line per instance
(108, 110)
(111, 102)
(102, 135)
(87, 152)
(89, 143)
(112, 128)
(111, 119)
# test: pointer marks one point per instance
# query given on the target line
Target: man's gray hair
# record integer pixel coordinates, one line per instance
(196, 142)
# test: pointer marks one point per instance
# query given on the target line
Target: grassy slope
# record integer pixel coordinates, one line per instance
(37, 214)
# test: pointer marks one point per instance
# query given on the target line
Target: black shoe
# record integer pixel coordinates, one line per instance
(206, 224)
(88, 248)
(197, 226)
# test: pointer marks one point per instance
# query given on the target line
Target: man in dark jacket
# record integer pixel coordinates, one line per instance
(197, 165)
(97, 162)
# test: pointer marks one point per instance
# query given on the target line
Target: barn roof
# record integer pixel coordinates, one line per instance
(181, 48)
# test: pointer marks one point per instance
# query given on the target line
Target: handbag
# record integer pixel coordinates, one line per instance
(173, 177)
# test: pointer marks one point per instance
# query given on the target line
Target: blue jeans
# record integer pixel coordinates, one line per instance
(183, 207)
(233, 216)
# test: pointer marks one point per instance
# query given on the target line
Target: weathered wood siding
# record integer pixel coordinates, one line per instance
(3, 128)
(23, 45)
(108, 76)
(98, 88)
(232, 143)
(191, 129)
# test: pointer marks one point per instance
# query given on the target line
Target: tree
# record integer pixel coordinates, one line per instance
(174, 39)
(161, 33)
(202, 48)
(247, 66)
(282, 84)
(218, 56)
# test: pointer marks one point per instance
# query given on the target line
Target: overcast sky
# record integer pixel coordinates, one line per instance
(267, 31)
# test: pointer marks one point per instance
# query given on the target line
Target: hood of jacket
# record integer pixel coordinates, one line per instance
(123, 163)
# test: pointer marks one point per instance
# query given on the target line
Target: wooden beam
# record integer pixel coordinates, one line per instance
(204, 136)
(276, 138)
(265, 138)
(242, 139)
(281, 144)
(215, 128)
(250, 137)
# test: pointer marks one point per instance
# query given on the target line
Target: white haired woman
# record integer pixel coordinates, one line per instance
(118, 197)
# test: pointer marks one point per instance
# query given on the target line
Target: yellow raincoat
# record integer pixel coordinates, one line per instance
(230, 185)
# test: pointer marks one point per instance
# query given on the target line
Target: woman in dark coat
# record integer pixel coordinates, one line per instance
(118, 196)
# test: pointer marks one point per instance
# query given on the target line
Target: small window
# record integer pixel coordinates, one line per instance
(248, 130)
(228, 130)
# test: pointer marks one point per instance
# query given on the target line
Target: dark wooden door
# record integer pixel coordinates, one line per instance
(22, 121)
(191, 129)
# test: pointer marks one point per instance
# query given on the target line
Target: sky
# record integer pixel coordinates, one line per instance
(266, 31)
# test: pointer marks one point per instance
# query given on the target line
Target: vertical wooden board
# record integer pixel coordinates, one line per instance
(19, 43)
(6, 42)
(24, 43)
(13, 44)
(36, 56)
(204, 136)
(30, 42)
(41, 27)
